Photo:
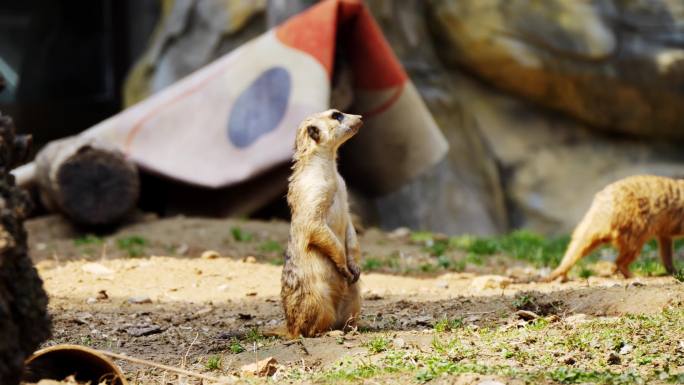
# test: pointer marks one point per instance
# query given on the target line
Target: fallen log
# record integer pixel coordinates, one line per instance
(24, 322)
(89, 181)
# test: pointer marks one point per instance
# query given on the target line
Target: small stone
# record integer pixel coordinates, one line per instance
(423, 320)
(251, 294)
(335, 333)
(140, 299)
(576, 319)
(210, 254)
(569, 361)
(442, 285)
(97, 269)
(223, 287)
(485, 282)
(526, 315)
(372, 296)
(400, 233)
(144, 330)
(204, 311)
(626, 349)
(249, 259)
(614, 359)
(264, 368)
(182, 249)
(399, 343)
(91, 300)
(102, 295)
(636, 284)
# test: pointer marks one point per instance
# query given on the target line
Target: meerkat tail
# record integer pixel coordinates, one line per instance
(586, 237)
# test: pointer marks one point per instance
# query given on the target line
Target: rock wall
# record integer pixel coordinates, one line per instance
(543, 102)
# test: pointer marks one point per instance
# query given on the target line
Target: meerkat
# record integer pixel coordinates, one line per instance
(319, 283)
(628, 213)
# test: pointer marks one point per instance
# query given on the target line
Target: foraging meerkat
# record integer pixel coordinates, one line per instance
(319, 288)
(628, 213)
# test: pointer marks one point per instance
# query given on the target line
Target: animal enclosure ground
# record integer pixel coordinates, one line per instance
(436, 309)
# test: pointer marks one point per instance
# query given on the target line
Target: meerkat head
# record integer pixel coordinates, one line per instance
(325, 132)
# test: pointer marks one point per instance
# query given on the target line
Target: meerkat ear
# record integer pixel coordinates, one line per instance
(314, 133)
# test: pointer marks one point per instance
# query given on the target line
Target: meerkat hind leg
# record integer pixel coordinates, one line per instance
(665, 247)
(625, 257)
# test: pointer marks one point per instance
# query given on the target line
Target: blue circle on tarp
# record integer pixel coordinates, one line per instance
(260, 107)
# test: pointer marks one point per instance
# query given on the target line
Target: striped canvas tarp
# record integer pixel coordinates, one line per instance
(236, 117)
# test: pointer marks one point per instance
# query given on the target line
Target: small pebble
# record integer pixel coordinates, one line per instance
(626, 349)
(182, 249)
(140, 299)
(399, 343)
(249, 259)
(614, 359)
(210, 254)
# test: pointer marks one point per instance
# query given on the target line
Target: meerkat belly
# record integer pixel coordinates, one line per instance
(324, 280)
(337, 218)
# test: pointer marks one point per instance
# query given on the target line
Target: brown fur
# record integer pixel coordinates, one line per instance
(628, 213)
(319, 288)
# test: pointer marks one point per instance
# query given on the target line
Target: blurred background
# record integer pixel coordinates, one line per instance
(542, 102)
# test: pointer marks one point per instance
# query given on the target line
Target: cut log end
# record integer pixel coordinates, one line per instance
(91, 183)
(97, 187)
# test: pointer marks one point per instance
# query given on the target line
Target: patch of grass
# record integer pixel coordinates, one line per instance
(87, 341)
(648, 265)
(523, 301)
(241, 235)
(427, 267)
(679, 275)
(235, 346)
(213, 363)
(271, 246)
(349, 371)
(522, 244)
(656, 358)
(566, 375)
(378, 344)
(444, 262)
(87, 240)
(88, 244)
(371, 263)
(475, 245)
(446, 325)
(254, 335)
(585, 272)
(133, 245)
(277, 262)
(422, 237)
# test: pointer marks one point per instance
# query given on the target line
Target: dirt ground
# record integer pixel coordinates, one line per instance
(146, 291)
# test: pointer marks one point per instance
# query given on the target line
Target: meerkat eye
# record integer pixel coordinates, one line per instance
(337, 116)
(314, 133)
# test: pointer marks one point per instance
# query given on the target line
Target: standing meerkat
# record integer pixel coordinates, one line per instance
(319, 288)
(628, 213)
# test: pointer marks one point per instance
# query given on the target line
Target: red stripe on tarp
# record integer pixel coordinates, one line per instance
(314, 31)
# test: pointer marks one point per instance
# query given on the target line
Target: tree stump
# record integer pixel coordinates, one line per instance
(90, 182)
(24, 322)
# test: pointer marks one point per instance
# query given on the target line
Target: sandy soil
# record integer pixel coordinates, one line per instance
(176, 308)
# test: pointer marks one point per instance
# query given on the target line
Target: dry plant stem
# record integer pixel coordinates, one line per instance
(159, 366)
